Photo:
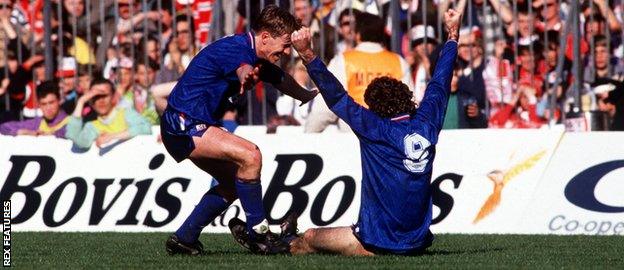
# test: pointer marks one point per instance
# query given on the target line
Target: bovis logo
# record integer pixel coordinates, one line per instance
(580, 191)
(501, 179)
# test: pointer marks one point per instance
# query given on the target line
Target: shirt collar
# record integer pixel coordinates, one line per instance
(401, 117)
(367, 46)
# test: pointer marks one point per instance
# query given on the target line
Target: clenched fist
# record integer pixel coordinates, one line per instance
(302, 42)
(452, 19)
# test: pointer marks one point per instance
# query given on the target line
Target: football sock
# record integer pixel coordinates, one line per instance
(250, 195)
(209, 207)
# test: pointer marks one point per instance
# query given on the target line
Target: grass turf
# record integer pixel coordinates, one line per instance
(146, 250)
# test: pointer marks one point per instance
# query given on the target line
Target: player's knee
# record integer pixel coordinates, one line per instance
(252, 158)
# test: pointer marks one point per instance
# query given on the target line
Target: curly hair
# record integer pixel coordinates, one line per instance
(388, 97)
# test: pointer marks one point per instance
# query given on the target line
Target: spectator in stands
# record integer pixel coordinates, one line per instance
(421, 66)
(139, 97)
(549, 12)
(471, 92)
(34, 78)
(84, 78)
(74, 17)
(602, 12)
(68, 84)
(180, 50)
(53, 120)
(151, 47)
(526, 28)
(498, 78)
(612, 102)
(323, 36)
(551, 55)
(131, 17)
(520, 112)
(451, 118)
(355, 69)
(528, 73)
(15, 84)
(126, 76)
(113, 123)
(603, 60)
(491, 19)
(9, 35)
(346, 30)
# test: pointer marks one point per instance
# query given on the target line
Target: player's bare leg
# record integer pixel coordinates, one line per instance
(218, 144)
(335, 240)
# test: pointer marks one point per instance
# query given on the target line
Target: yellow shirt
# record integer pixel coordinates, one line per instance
(83, 53)
(115, 123)
(44, 127)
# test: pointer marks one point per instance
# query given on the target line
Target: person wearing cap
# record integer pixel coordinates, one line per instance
(139, 97)
(52, 121)
(66, 75)
(126, 76)
(355, 69)
(424, 40)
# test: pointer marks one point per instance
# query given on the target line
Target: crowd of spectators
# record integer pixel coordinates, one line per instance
(515, 67)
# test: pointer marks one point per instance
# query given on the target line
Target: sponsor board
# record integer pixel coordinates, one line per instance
(582, 191)
(489, 177)
(484, 181)
(136, 186)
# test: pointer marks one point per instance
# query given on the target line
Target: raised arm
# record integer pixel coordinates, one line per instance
(433, 106)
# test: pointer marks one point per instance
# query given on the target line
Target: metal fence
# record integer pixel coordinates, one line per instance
(55, 26)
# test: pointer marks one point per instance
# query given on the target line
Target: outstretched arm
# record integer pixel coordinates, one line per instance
(284, 82)
(274, 75)
(433, 106)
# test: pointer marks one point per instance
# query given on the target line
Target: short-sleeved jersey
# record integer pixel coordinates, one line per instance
(397, 157)
(203, 91)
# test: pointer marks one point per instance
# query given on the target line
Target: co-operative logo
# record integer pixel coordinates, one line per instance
(580, 190)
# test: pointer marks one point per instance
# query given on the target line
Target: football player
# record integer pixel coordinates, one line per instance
(191, 125)
(397, 144)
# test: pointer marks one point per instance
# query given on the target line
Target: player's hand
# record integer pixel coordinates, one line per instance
(250, 77)
(302, 42)
(452, 19)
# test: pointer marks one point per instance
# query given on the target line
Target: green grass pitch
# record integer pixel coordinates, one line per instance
(47, 250)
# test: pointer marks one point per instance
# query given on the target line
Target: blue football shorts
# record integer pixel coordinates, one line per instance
(177, 132)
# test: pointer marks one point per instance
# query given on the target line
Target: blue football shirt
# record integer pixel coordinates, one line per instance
(397, 158)
(204, 90)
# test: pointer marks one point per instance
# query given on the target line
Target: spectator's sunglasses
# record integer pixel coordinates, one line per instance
(6, 5)
(345, 23)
